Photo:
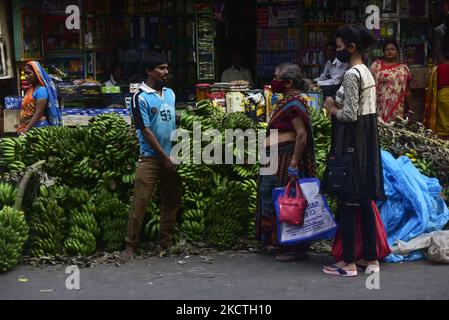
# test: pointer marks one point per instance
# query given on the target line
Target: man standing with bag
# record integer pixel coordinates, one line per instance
(153, 110)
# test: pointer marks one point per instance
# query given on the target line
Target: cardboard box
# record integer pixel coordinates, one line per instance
(11, 120)
(420, 77)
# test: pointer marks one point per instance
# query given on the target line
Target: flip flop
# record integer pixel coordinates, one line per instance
(340, 272)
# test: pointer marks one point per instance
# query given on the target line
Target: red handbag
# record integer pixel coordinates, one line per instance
(383, 249)
(291, 210)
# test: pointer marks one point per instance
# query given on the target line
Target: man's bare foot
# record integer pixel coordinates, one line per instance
(129, 252)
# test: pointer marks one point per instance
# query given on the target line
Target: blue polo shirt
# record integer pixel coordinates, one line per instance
(157, 113)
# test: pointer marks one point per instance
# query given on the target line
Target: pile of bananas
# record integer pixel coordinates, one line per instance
(47, 227)
(193, 218)
(112, 216)
(230, 213)
(11, 155)
(13, 235)
(84, 230)
(7, 195)
(219, 201)
(78, 156)
(322, 129)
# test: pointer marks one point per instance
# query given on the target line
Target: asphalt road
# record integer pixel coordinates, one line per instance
(226, 276)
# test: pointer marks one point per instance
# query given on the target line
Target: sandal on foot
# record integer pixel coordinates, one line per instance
(339, 271)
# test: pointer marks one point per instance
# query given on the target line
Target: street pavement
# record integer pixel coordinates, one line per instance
(226, 276)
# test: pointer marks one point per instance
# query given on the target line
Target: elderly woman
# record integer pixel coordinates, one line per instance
(393, 84)
(355, 136)
(296, 156)
(40, 106)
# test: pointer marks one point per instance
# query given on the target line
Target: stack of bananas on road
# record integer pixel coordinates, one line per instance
(219, 201)
(84, 230)
(11, 155)
(193, 218)
(230, 212)
(7, 195)
(47, 227)
(112, 216)
(13, 235)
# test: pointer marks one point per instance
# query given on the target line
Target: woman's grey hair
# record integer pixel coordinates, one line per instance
(291, 71)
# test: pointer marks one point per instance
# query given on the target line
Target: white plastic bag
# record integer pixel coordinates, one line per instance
(319, 222)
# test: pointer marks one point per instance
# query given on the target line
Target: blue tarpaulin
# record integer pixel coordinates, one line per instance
(414, 206)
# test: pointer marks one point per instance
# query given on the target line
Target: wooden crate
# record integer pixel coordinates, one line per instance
(11, 119)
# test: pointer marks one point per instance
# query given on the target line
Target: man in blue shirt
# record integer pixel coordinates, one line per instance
(153, 110)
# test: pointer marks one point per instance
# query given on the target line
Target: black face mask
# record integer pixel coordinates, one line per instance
(343, 56)
(159, 85)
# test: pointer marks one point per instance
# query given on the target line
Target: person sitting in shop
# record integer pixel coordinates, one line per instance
(440, 38)
(334, 71)
(40, 107)
(237, 72)
(153, 111)
(116, 77)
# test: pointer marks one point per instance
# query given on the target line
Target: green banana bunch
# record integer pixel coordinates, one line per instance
(84, 229)
(246, 171)
(239, 120)
(11, 154)
(47, 227)
(112, 215)
(13, 235)
(7, 195)
(77, 197)
(152, 228)
(229, 214)
(80, 242)
(193, 230)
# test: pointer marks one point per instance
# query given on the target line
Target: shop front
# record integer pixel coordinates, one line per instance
(201, 39)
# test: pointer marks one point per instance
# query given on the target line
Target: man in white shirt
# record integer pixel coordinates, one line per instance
(237, 72)
(116, 77)
(334, 71)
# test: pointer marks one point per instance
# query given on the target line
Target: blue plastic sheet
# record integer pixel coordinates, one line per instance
(414, 204)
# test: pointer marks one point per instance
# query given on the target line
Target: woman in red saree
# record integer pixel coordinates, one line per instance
(393, 84)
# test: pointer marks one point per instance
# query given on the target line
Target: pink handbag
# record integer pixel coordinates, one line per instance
(291, 210)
